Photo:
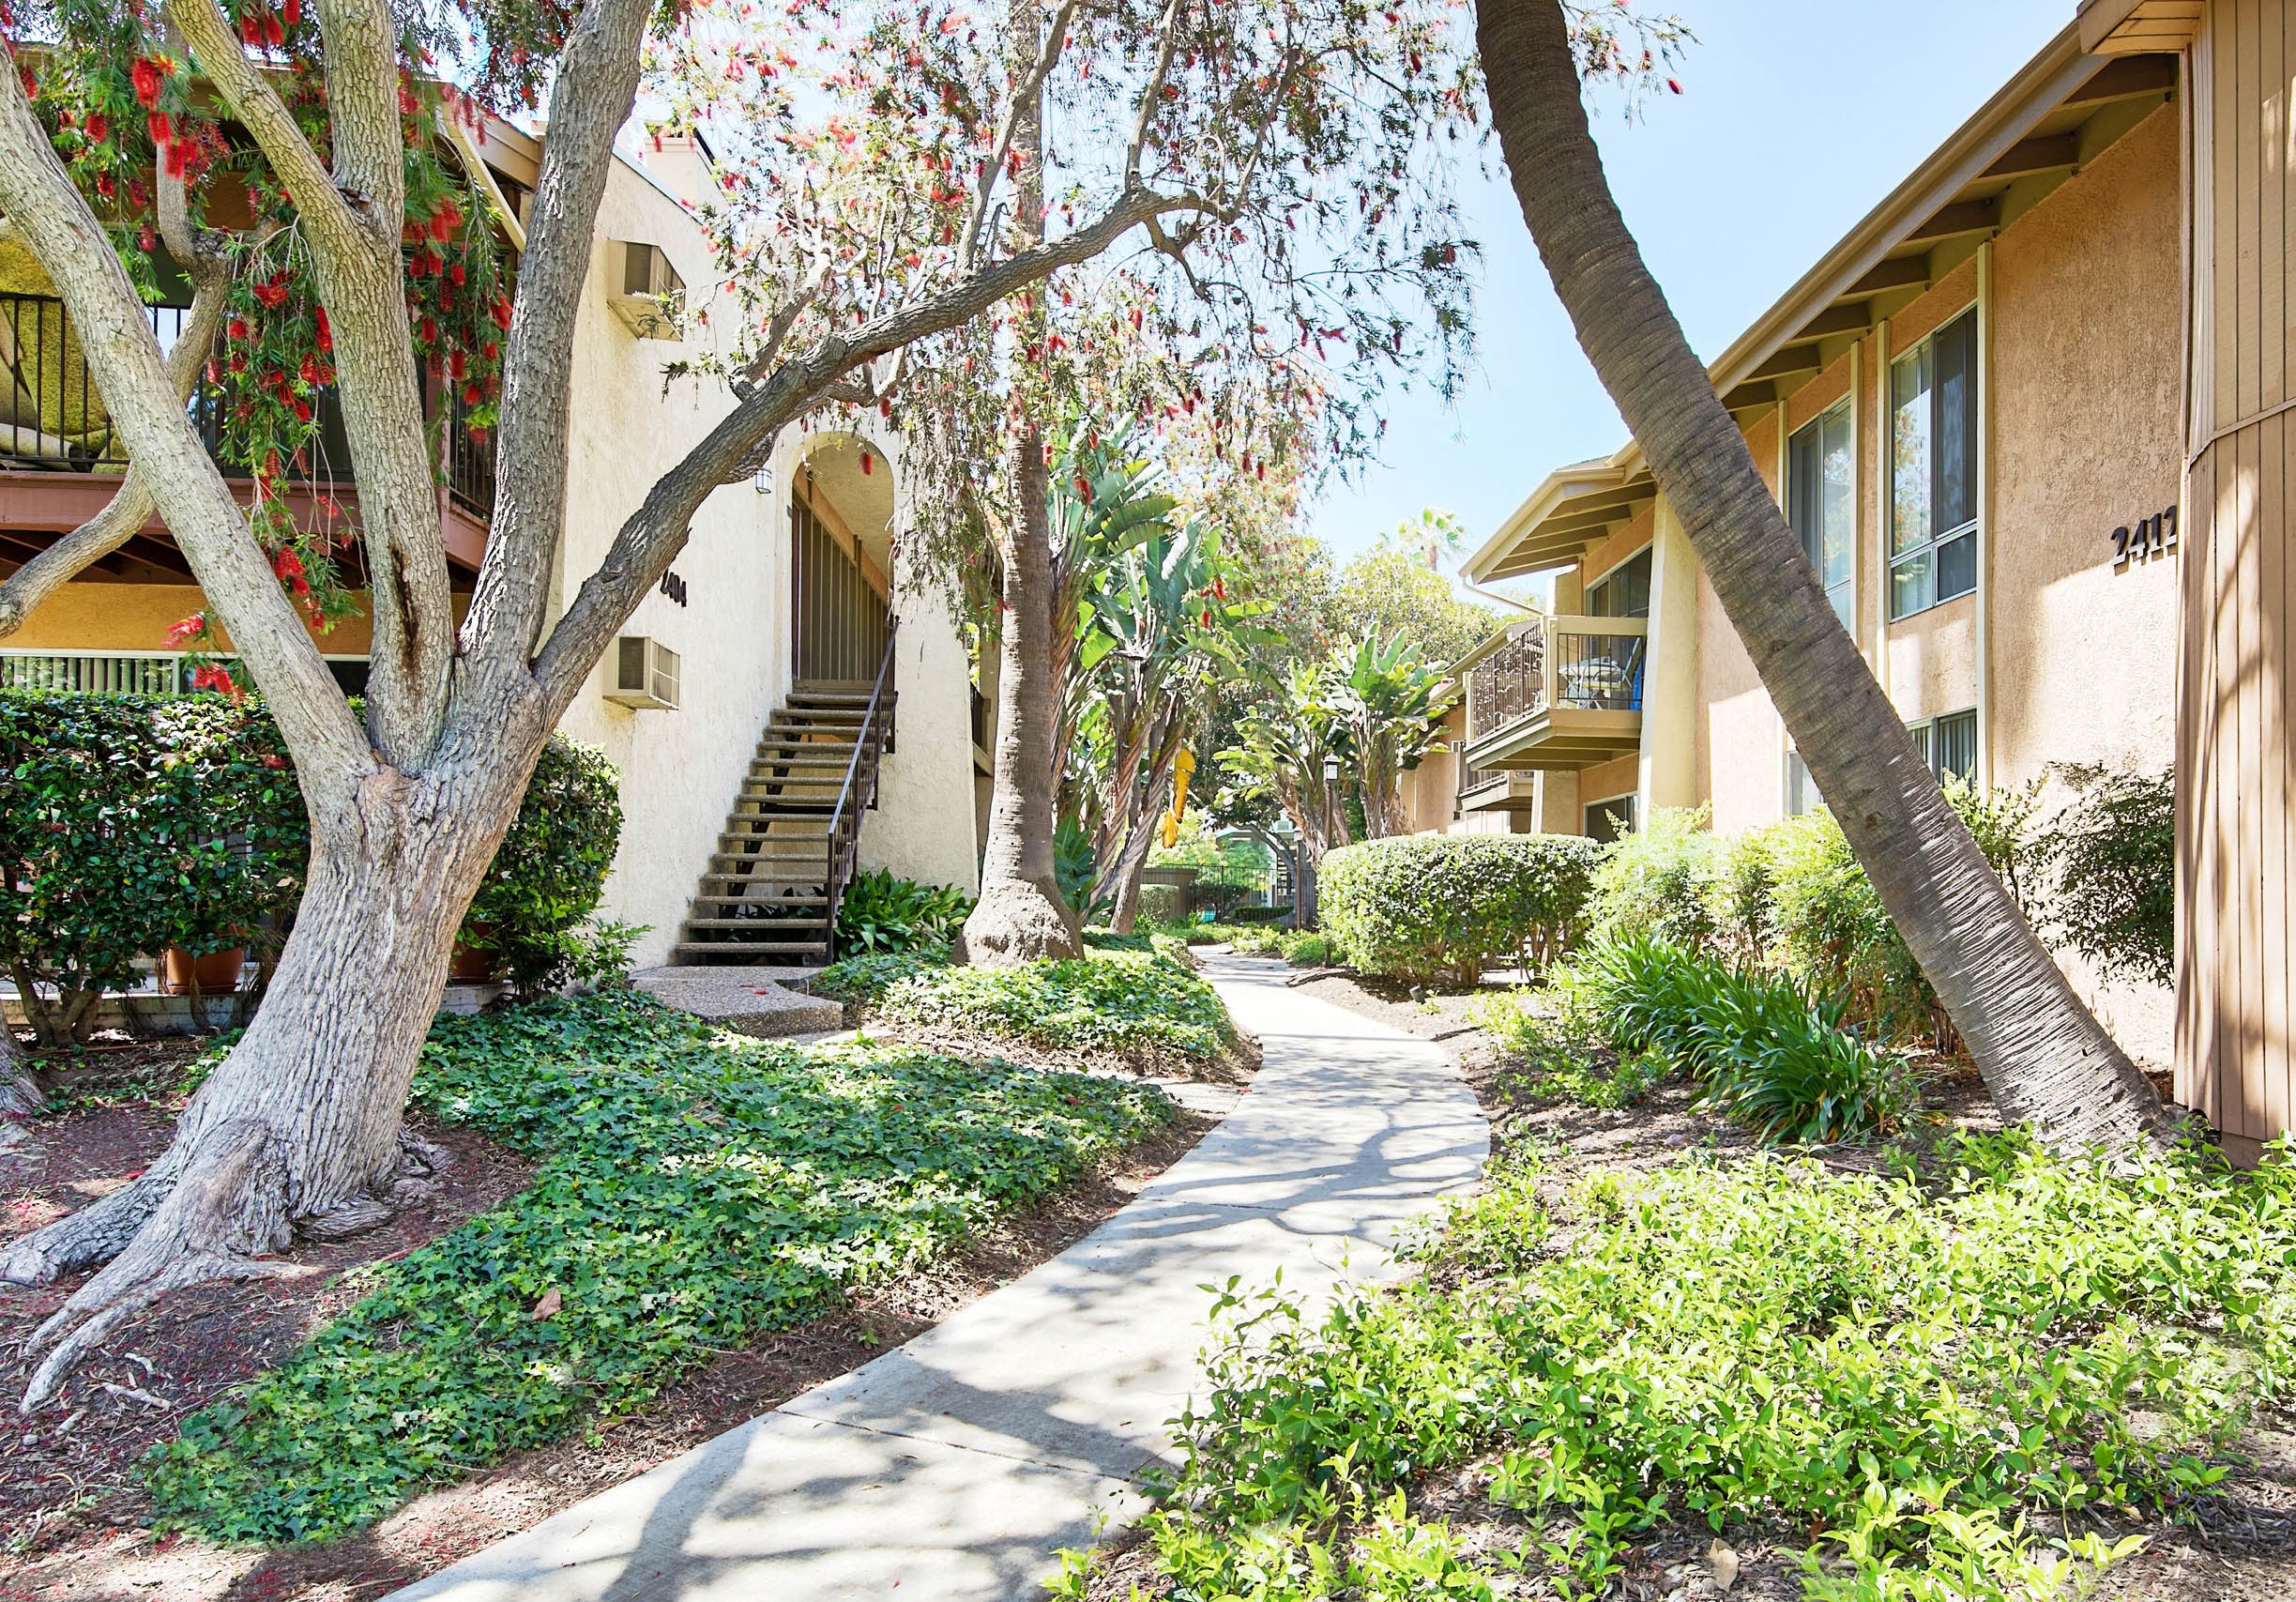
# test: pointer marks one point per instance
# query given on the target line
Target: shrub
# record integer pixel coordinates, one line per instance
(1159, 904)
(1149, 1009)
(2113, 852)
(1439, 906)
(133, 823)
(1773, 1055)
(1307, 949)
(1552, 1042)
(695, 1188)
(550, 871)
(1832, 934)
(880, 913)
(1665, 878)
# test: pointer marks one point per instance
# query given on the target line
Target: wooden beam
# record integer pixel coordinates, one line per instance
(2045, 153)
(1793, 359)
(2125, 78)
(1897, 272)
(1750, 397)
(1848, 318)
(1952, 222)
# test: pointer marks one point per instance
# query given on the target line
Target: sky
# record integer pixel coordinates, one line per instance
(1797, 117)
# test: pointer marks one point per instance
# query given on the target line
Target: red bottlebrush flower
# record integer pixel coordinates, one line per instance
(455, 275)
(1083, 489)
(178, 157)
(160, 127)
(147, 238)
(183, 634)
(309, 372)
(300, 587)
(501, 311)
(98, 128)
(327, 335)
(489, 350)
(445, 221)
(237, 327)
(147, 78)
(457, 368)
(273, 759)
(429, 331)
(867, 461)
(473, 395)
(302, 409)
(292, 12)
(285, 563)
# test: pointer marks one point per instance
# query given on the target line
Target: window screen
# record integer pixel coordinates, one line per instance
(1822, 504)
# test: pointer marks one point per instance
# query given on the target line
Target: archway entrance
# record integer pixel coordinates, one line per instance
(840, 600)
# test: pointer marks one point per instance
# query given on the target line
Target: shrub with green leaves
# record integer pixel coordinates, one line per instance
(1441, 906)
(1666, 879)
(1910, 1371)
(881, 912)
(1832, 933)
(1772, 1055)
(133, 823)
(2114, 850)
(1149, 1008)
(695, 1188)
(551, 869)
(1551, 1044)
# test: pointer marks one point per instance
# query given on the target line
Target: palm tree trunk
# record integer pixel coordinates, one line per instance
(2048, 1061)
(1021, 916)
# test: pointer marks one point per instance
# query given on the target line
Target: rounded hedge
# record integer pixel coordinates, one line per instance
(1426, 907)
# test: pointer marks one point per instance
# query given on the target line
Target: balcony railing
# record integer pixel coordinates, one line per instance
(53, 418)
(1550, 664)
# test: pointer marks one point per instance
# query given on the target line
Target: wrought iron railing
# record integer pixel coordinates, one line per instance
(858, 793)
(1579, 664)
(1506, 687)
(53, 418)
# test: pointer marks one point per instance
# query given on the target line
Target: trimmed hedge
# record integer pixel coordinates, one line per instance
(137, 822)
(1439, 906)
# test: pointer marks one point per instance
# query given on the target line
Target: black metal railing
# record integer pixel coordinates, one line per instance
(1505, 687)
(858, 793)
(53, 419)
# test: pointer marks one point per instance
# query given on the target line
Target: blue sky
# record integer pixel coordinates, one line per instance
(1797, 117)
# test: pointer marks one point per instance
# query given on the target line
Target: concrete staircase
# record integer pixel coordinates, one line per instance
(770, 896)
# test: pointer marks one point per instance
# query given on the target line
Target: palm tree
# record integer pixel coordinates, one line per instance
(1395, 703)
(2048, 1061)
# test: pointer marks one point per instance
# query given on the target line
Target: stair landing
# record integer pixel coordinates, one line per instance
(763, 1002)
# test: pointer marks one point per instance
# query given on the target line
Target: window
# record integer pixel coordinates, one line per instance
(1933, 469)
(1623, 592)
(1822, 504)
(1610, 821)
(1800, 790)
(1949, 745)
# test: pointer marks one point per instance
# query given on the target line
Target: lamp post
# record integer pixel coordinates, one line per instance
(1308, 914)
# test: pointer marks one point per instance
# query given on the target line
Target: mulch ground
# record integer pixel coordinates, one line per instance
(71, 1508)
(2241, 1546)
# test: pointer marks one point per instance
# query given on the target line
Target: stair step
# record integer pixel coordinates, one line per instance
(793, 806)
(778, 925)
(758, 880)
(812, 945)
(833, 686)
(802, 764)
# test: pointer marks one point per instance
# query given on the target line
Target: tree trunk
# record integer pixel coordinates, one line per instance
(1121, 885)
(1021, 916)
(20, 1093)
(2045, 1057)
(297, 1130)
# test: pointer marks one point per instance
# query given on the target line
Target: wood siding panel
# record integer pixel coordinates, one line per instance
(2236, 787)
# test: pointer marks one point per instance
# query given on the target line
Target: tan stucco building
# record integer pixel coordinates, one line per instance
(2000, 412)
(730, 626)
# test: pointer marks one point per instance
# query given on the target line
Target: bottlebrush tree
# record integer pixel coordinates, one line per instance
(1319, 260)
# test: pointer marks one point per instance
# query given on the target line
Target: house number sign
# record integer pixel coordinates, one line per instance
(674, 587)
(2154, 535)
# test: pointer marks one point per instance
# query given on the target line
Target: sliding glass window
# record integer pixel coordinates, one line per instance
(1933, 469)
(1822, 504)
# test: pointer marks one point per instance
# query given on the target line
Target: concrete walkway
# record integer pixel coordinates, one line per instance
(957, 1465)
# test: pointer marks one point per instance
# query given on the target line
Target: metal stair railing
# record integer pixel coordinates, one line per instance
(859, 790)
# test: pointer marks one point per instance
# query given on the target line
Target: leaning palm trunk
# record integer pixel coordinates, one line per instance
(2046, 1060)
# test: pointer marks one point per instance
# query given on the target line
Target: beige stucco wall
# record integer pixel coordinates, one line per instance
(923, 827)
(2086, 360)
(88, 616)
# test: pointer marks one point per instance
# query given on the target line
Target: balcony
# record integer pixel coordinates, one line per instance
(60, 458)
(1556, 694)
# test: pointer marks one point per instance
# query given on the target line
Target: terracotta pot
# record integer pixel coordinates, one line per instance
(217, 973)
(469, 964)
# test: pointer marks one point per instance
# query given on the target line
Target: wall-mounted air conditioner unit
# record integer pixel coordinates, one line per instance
(645, 674)
(643, 289)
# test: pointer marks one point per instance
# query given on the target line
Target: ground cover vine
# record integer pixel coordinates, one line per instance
(695, 1189)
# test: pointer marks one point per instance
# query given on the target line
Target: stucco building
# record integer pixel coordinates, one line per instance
(2030, 420)
(735, 701)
